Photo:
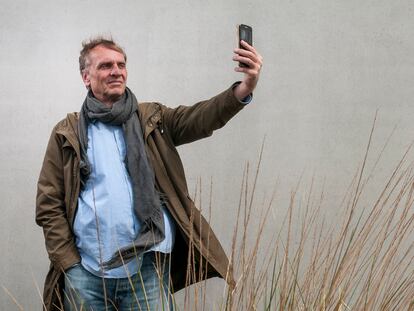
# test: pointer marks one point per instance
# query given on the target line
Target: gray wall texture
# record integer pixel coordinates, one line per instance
(329, 66)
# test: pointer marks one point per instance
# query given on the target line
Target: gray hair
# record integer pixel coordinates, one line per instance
(90, 44)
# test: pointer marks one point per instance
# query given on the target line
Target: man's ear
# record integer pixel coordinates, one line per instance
(85, 78)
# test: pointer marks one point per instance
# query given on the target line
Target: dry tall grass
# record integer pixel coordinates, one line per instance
(362, 259)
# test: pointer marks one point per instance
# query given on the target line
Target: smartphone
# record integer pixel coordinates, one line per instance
(245, 33)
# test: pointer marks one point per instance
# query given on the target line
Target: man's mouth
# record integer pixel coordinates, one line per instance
(115, 82)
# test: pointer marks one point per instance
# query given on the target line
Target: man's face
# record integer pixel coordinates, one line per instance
(106, 74)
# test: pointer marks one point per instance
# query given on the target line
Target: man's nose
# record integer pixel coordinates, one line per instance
(116, 71)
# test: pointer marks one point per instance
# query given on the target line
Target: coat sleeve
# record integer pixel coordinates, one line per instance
(189, 123)
(50, 207)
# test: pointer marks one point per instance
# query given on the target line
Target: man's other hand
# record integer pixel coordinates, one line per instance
(254, 61)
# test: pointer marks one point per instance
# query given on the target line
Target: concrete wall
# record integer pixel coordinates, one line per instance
(329, 66)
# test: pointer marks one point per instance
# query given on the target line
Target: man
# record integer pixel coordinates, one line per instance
(120, 229)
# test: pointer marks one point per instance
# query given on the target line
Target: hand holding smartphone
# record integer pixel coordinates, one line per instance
(245, 33)
(250, 63)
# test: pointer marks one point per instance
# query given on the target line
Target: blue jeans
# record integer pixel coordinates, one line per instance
(147, 290)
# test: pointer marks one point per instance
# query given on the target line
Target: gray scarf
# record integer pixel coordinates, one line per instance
(147, 203)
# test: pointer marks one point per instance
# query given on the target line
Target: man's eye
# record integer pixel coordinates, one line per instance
(122, 66)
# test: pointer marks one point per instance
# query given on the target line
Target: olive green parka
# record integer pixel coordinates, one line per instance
(197, 253)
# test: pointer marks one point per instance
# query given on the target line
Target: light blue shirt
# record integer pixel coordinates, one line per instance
(247, 100)
(105, 220)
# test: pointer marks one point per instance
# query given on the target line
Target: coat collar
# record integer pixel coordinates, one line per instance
(149, 114)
